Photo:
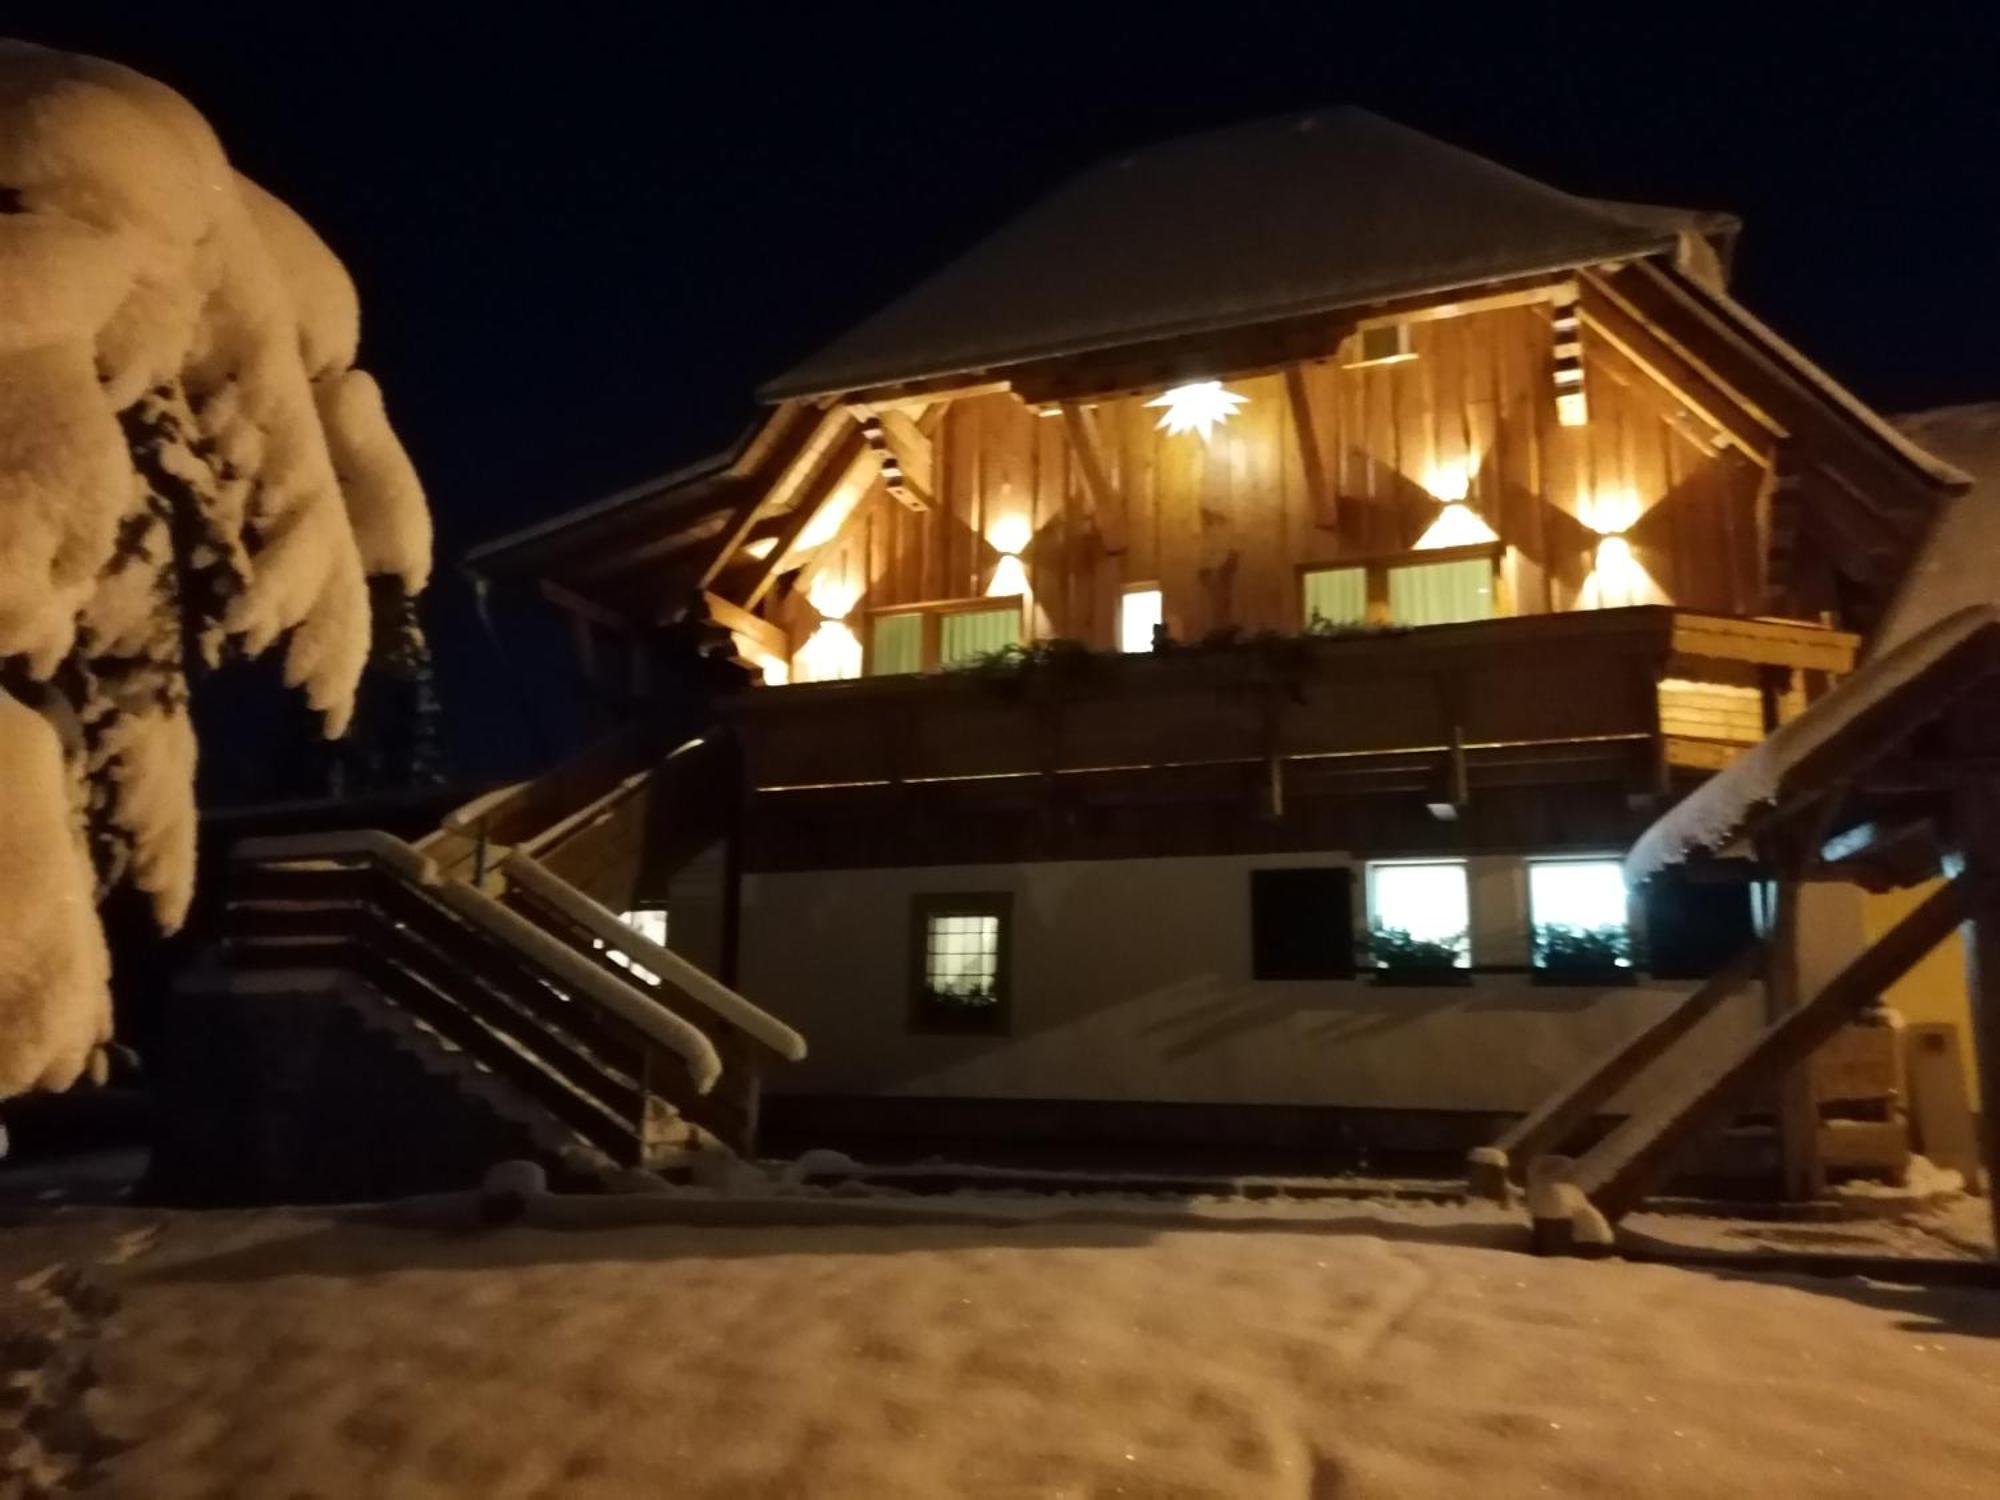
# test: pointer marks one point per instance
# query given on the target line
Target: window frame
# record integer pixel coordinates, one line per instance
(1599, 976)
(1378, 566)
(927, 1016)
(933, 612)
(1379, 973)
(1265, 905)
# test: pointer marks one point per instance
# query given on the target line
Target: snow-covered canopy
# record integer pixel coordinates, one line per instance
(1944, 621)
(188, 461)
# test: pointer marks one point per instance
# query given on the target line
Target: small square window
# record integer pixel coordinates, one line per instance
(1441, 593)
(1579, 916)
(1419, 916)
(960, 962)
(1336, 597)
(1140, 613)
(896, 644)
(1302, 924)
(1695, 927)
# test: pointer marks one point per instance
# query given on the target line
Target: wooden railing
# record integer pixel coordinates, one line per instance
(580, 1040)
(1505, 689)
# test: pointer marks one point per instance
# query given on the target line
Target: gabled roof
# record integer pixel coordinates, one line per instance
(1263, 222)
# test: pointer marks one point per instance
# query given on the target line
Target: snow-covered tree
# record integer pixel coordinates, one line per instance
(191, 468)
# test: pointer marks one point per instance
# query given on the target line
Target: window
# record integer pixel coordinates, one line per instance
(960, 963)
(1419, 916)
(945, 635)
(1336, 596)
(649, 922)
(1439, 587)
(1140, 612)
(968, 634)
(1384, 344)
(896, 644)
(1441, 593)
(1302, 924)
(1578, 916)
(1694, 927)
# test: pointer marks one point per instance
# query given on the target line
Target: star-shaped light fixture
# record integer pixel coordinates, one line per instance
(1201, 407)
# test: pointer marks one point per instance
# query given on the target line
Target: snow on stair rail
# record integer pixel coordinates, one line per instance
(571, 969)
(673, 969)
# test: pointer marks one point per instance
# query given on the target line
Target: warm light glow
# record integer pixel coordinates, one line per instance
(1572, 408)
(1201, 407)
(1010, 579)
(1617, 577)
(832, 596)
(830, 654)
(1010, 533)
(1457, 525)
(830, 517)
(777, 671)
(762, 548)
(1139, 612)
(1451, 480)
(1611, 512)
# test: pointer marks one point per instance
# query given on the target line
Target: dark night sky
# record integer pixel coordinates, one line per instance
(583, 233)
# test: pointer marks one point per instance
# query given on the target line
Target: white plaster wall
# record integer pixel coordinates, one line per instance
(1131, 982)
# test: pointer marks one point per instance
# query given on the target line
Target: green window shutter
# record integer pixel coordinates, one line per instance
(1339, 596)
(969, 634)
(896, 645)
(1441, 593)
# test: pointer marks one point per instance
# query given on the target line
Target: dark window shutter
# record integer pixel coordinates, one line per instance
(1301, 923)
(1694, 927)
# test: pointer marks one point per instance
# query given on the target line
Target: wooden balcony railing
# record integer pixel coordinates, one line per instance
(1510, 687)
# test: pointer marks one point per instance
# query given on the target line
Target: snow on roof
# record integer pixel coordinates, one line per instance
(1946, 611)
(1271, 220)
(1959, 563)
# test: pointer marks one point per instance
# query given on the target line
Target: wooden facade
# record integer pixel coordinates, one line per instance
(1328, 462)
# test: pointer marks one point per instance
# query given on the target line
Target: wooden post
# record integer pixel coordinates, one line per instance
(1798, 1110)
(1976, 812)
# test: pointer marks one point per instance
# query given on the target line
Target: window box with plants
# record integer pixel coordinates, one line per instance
(1567, 954)
(1397, 956)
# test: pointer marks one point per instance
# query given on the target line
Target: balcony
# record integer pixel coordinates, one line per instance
(1653, 690)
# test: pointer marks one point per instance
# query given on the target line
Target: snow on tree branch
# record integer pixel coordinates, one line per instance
(190, 468)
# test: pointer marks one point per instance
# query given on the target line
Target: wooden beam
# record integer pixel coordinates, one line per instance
(761, 632)
(1622, 1168)
(849, 453)
(1610, 319)
(1550, 1125)
(1325, 506)
(586, 609)
(784, 464)
(905, 454)
(1081, 424)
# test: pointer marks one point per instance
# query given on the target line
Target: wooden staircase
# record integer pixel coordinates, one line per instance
(1616, 1173)
(470, 946)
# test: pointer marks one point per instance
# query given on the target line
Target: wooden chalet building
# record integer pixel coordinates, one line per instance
(1208, 649)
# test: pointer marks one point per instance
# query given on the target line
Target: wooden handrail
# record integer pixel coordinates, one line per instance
(1550, 1124)
(1617, 1172)
(674, 970)
(570, 969)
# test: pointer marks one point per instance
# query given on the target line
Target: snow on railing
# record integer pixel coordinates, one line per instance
(570, 969)
(673, 969)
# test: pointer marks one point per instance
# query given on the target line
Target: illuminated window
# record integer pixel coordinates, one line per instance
(649, 922)
(1578, 911)
(1140, 612)
(1335, 597)
(960, 964)
(1441, 593)
(1419, 915)
(966, 635)
(896, 645)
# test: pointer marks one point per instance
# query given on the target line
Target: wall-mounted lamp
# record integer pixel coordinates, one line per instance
(1010, 535)
(1457, 525)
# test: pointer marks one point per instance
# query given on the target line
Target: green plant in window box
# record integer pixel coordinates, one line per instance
(1567, 954)
(1399, 956)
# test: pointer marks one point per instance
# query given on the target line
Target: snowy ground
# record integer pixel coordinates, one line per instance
(274, 1354)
